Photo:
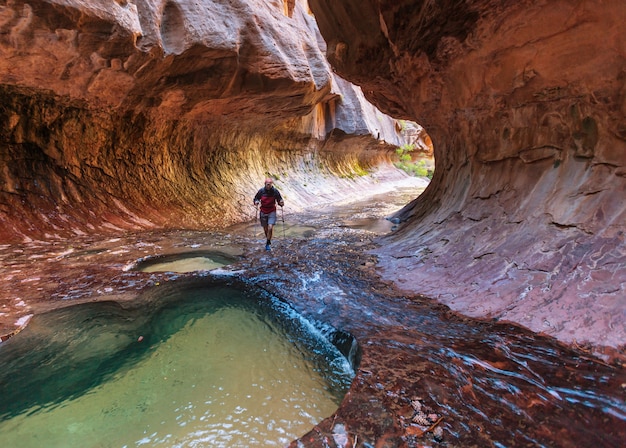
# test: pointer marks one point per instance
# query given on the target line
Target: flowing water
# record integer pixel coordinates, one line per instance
(194, 366)
(492, 384)
(484, 383)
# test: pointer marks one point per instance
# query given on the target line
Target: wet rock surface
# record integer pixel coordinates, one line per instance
(482, 383)
(525, 219)
(426, 375)
(121, 116)
(131, 117)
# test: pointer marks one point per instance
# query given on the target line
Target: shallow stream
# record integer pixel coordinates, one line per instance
(484, 383)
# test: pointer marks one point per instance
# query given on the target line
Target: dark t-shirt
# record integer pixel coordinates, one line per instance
(268, 199)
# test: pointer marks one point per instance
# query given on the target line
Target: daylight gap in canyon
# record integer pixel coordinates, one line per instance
(133, 131)
(134, 116)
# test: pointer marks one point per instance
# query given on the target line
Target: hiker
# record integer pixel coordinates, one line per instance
(268, 196)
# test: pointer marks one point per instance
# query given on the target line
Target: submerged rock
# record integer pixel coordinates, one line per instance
(131, 116)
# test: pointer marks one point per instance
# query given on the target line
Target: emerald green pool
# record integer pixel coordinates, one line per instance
(193, 366)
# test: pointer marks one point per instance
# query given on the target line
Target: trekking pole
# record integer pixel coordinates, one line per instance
(256, 220)
(282, 213)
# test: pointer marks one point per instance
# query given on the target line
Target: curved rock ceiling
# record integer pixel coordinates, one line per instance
(525, 102)
(120, 115)
(123, 115)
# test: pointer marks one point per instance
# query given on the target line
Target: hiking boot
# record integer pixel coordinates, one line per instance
(268, 247)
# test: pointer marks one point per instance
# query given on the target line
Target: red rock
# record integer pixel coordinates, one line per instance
(525, 106)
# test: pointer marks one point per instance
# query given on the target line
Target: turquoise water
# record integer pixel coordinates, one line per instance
(193, 367)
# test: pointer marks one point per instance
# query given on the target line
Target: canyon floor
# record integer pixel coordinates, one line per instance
(420, 366)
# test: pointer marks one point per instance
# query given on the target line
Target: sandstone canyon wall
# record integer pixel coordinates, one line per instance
(526, 105)
(129, 115)
(126, 115)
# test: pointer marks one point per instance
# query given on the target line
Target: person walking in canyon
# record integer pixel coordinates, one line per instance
(267, 197)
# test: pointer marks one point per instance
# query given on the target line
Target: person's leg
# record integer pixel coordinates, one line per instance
(264, 222)
(271, 220)
(268, 234)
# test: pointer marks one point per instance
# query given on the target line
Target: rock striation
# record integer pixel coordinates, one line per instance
(123, 115)
(526, 104)
(127, 115)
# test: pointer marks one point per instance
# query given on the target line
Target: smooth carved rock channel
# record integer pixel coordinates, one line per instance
(420, 365)
(138, 129)
(525, 102)
(130, 116)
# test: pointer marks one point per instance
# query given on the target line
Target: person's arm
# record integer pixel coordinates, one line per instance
(257, 198)
(279, 199)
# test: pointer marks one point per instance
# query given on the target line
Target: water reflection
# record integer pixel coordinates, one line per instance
(281, 229)
(188, 364)
(185, 262)
(377, 226)
(494, 384)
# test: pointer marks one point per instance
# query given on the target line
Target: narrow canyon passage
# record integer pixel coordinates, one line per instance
(484, 383)
(133, 132)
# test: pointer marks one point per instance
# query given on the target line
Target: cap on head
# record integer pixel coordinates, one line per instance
(269, 181)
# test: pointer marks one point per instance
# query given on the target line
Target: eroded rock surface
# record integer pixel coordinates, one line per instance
(483, 383)
(137, 115)
(526, 104)
(118, 116)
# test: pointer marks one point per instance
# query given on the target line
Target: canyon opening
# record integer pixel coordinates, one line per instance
(453, 176)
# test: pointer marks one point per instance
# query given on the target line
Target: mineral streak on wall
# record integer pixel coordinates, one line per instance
(526, 105)
(121, 115)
